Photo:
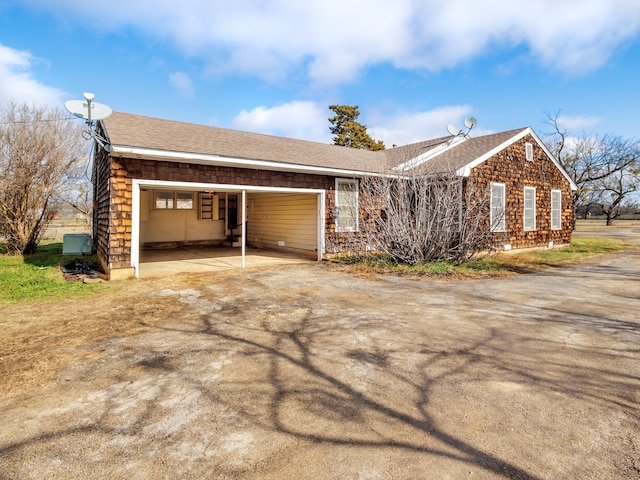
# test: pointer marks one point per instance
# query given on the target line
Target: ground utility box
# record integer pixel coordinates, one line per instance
(76, 244)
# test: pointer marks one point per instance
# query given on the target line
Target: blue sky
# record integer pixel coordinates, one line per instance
(413, 67)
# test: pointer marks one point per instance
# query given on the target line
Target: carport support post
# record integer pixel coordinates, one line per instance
(244, 224)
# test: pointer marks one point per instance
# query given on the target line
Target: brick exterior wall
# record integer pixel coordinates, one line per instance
(510, 167)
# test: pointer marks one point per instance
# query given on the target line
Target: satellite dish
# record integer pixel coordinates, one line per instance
(90, 111)
(470, 122)
(87, 110)
(453, 130)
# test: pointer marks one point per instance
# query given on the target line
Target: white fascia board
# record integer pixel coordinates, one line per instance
(218, 187)
(553, 159)
(466, 170)
(434, 152)
(217, 160)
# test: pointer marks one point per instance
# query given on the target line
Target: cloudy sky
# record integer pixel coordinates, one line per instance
(274, 66)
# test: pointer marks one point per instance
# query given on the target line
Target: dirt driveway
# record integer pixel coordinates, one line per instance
(306, 371)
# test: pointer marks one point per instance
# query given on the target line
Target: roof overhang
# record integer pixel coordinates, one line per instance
(120, 151)
(431, 153)
(222, 161)
(466, 170)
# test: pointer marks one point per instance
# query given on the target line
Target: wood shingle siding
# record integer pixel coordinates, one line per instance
(511, 168)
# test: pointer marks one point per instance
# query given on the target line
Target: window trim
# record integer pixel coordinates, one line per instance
(155, 200)
(557, 225)
(172, 196)
(528, 147)
(500, 226)
(356, 187)
(533, 210)
(177, 205)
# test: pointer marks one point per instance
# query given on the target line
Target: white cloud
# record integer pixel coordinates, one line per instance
(297, 119)
(409, 127)
(182, 83)
(310, 121)
(577, 123)
(333, 41)
(17, 83)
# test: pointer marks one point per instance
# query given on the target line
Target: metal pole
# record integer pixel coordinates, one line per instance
(244, 224)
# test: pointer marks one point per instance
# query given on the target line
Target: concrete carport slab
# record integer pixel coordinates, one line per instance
(193, 259)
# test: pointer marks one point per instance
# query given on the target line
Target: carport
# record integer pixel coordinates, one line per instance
(272, 224)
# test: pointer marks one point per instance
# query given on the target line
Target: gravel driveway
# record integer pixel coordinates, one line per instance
(305, 371)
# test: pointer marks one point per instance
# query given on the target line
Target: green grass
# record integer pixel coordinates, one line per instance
(579, 249)
(503, 263)
(38, 277)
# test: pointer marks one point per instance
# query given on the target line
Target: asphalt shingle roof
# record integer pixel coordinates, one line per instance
(137, 131)
(128, 130)
(454, 158)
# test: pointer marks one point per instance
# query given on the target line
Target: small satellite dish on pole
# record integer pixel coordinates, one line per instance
(470, 122)
(89, 110)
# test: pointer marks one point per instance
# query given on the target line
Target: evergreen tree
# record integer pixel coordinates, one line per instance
(348, 132)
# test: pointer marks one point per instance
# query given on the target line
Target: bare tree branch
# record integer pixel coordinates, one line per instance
(418, 218)
(38, 150)
(594, 163)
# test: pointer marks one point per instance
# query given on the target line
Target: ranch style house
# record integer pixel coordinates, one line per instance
(166, 184)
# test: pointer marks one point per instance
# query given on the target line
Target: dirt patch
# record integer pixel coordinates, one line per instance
(307, 371)
(87, 272)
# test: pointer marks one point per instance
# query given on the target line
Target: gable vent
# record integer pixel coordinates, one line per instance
(529, 152)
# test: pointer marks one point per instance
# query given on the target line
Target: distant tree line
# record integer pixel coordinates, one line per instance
(605, 168)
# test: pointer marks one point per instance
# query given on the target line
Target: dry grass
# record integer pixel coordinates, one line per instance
(501, 265)
(601, 225)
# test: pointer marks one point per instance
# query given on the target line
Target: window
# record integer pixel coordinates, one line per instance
(346, 205)
(184, 200)
(529, 209)
(164, 200)
(556, 210)
(497, 207)
(168, 200)
(529, 152)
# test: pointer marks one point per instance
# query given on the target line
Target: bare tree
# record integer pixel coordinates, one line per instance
(39, 149)
(417, 218)
(609, 193)
(590, 161)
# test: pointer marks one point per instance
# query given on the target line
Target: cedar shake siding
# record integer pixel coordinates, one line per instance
(113, 215)
(104, 226)
(511, 168)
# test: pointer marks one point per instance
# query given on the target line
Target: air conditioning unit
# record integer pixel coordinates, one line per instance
(76, 244)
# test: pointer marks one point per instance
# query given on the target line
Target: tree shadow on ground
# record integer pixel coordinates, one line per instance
(323, 394)
(309, 385)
